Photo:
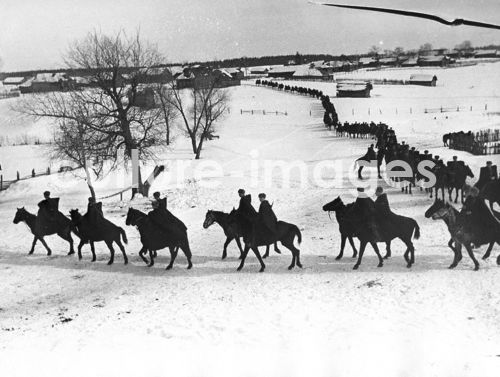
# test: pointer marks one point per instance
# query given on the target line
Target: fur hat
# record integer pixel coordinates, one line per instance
(262, 195)
(241, 191)
(46, 193)
(379, 191)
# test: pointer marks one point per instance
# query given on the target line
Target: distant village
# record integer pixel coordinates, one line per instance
(191, 75)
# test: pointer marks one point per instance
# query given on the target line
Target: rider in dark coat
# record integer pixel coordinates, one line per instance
(486, 174)
(363, 216)
(386, 219)
(477, 219)
(48, 212)
(245, 209)
(267, 216)
(94, 211)
(164, 219)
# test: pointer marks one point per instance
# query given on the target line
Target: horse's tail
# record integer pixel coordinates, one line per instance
(297, 232)
(416, 235)
(124, 235)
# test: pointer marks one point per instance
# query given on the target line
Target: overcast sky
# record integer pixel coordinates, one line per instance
(35, 33)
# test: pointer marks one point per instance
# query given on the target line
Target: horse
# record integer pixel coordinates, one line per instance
(456, 181)
(154, 238)
(105, 231)
(404, 231)
(62, 228)
(231, 230)
(253, 238)
(491, 192)
(440, 210)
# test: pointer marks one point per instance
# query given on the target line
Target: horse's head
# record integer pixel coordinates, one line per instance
(435, 209)
(333, 205)
(134, 216)
(75, 215)
(209, 219)
(20, 215)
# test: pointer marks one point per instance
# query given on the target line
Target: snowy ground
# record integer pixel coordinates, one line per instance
(326, 319)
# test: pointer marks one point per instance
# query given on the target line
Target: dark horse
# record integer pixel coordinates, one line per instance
(62, 228)
(231, 230)
(459, 235)
(345, 228)
(254, 236)
(401, 227)
(154, 238)
(105, 231)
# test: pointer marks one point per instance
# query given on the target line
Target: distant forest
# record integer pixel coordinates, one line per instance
(296, 58)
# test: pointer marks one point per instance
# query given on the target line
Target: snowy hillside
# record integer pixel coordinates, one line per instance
(322, 320)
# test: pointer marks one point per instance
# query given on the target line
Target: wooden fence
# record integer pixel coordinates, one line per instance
(263, 112)
(5, 184)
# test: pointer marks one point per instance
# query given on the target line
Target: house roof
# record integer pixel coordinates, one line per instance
(50, 77)
(367, 60)
(13, 80)
(422, 77)
(307, 71)
(486, 52)
(432, 58)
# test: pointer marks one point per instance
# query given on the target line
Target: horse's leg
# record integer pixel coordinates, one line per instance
(33, 245)
(354, 250)
(379, 256)
(276, 249)
(343, 238)
(224, 250)
(92, 248)
(80, 245)
(238, 242)
(187, 252)
(120, 245)
(141, 254)
(450, 190)
(243, 257)
(112, 251)
(152, 254)
(266, 254)
(49, 252)
(388, 251)
(257, 254)
(409, 253)
(471, 255)
(488, 252)
(362, 247)
(173, 255)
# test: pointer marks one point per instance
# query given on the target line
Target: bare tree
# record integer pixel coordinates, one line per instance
(200, 107)
(425, 47)
(464, 46)
(116, 66)
(166, 104)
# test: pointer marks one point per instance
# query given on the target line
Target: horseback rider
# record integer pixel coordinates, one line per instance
(477, 219)
(48, 212)
(245, 209)
(363, 214)
(369, 156)
(486, 174)
(94, 210)
(164, 219)
(162, 202)
(267, 216)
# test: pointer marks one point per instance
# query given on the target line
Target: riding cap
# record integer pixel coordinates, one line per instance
(262, 195)
(46, 193)
(241, 191)
(156, 194)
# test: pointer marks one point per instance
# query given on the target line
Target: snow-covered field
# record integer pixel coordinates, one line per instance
(59, 316)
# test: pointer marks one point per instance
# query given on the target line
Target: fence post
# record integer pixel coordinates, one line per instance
(471, 108)
(486, 107)
(441, 108)
(1, 182)
(458, 109)
(411, 111)
(48, 170)
(121, 196)
(241, 111)
(33, 173)
(17, 175)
